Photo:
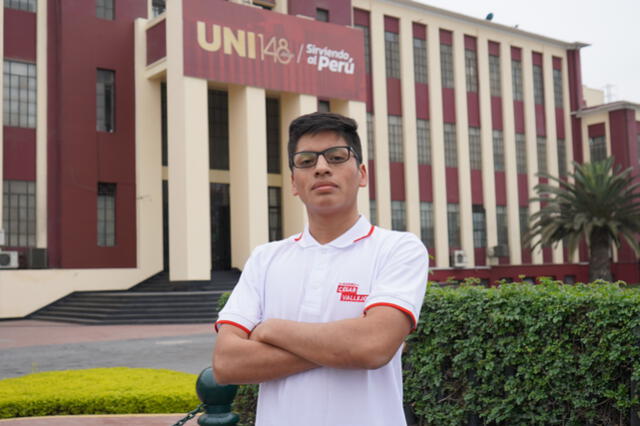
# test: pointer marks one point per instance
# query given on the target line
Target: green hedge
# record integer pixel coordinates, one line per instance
(98, 391)
(525, 354)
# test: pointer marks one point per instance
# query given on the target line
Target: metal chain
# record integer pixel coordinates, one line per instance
(190, 415)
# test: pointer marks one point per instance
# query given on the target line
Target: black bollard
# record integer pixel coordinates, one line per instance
(217, 401)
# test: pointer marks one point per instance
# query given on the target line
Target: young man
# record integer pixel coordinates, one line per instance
(318, 319)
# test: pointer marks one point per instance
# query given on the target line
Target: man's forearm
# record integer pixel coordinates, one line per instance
(241, 361)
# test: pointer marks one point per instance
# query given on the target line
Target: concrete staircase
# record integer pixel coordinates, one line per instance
(154, 301)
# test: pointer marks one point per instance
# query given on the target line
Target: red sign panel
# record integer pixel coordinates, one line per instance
(245, 45)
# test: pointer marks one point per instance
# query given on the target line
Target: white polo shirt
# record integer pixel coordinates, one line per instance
(301, 280)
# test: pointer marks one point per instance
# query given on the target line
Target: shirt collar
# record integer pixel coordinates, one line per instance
(361, 230)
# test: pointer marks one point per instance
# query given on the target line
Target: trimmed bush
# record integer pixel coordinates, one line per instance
(526, 354)
(98, 391)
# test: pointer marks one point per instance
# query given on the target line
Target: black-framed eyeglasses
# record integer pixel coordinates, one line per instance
(333, 155)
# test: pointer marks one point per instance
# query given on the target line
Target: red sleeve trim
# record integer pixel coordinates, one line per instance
(366, 236)
(398, 307)
(240, 326)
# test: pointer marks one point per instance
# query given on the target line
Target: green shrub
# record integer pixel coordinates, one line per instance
(525, 354)
(223, 300)
(98, 391)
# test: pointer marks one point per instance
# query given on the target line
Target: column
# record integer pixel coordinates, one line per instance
(462, 130)
(568, 130)
(188, 155)
(531, 139)
(410, 146)
(148, 160)
(437, 148)
(357, 111)
(247, 171)
(294, 215)
(383, 180)
(41, 125)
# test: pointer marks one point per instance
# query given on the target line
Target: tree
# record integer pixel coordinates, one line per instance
(598, 203)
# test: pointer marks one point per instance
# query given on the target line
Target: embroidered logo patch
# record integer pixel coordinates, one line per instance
(349, 293)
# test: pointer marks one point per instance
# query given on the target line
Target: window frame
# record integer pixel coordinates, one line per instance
(105, 94)
(20, 94)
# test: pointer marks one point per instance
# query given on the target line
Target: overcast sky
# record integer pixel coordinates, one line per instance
(610, 27)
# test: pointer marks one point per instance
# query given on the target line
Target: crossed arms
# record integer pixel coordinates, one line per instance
(278, 348)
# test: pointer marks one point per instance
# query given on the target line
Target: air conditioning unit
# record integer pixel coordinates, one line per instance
(8, 259)
(500, 250)
(459, 259)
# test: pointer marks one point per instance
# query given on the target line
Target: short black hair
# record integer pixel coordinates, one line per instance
(318, 122)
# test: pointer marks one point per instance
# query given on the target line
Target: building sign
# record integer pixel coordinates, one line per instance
(245, 45)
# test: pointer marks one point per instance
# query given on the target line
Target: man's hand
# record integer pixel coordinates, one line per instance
(368, 342)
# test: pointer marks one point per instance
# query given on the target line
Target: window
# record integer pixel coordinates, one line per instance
(453, 220)
(516, 79)
(392, 54)
(471, 69)
(475, 148)
(373, 212)
(163, 124)
(420, 60)
(322, 15)
(424, 141)
(396, 153)
(562, 158)
(426, 224)
(19, 213)
(19, 101)
(104, 9)
(450, 145)
(324, 106)
(158, 7)
(597, 148)
(541, 143)
(558, 96)
(503, 226)
(218, 130)
(398, 216)
(371, 141)
(27, 5)
(498, 150)
(524, 223)
(479, 227)
(105, 100)
(106, 214)
(538, 85)
(495, 79)
(273, 135)
(367, 46)
(275, 213)
(446, 65)
(521, 153)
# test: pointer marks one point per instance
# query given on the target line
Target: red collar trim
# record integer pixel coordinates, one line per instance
(298, 237)
(365, 236)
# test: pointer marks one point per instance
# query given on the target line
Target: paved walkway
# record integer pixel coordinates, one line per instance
(30, 346)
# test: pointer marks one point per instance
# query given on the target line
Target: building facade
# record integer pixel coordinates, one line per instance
(144, 135)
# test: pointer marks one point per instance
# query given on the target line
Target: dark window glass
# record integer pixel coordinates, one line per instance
(371, 142)
(538, 85)
(396, 152)
(597, 148)
(516, 80)
(324, 106)
(558, 95)
(562, 158)
(104, 9)
(19, 94)
(373, 212)
(158, 7)
(19, 213)
(521, 153)
(426, 224)
(106, 214)
(26, 5)
(498, 150)
(479, 227)
(453, 221)
(446, 65)
(524, 223)
(322, 15)
(541, 143)
(218, 130)
(495, 79)
(392, 54)
(398, 216)
(503, 225)
(367, 46)
(105, 100)
(163, 125)
(475, 148)
(471, 69)
(420, 60)
(273, 135)
(424, 141)
(275, 213)
(450, 145)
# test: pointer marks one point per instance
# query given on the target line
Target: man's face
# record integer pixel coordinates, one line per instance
(327, 188)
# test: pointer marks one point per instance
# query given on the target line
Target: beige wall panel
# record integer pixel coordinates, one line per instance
(294, 214)
(188, 158)
(462, 130)
(357, 111)
(410, 147)
(41, 126)
(437, 148)
(248, 171)
(383, 183)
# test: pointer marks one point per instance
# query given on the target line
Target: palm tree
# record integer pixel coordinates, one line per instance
(597, 202)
